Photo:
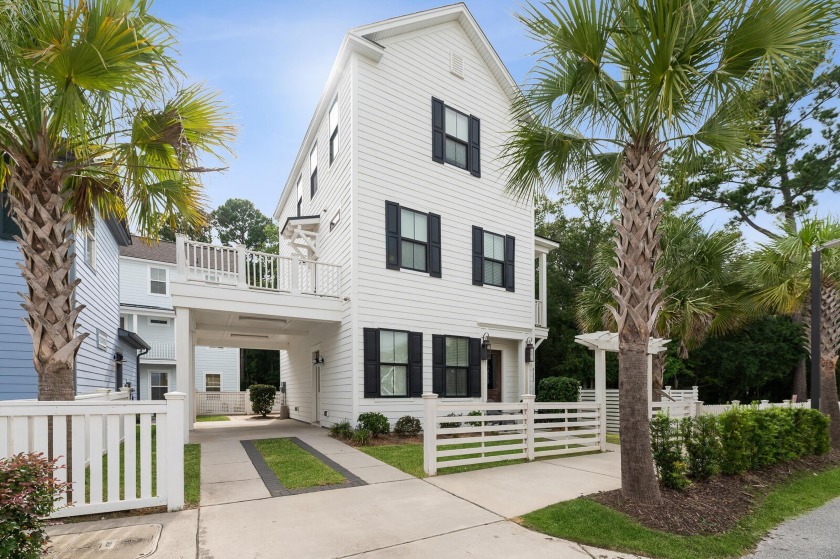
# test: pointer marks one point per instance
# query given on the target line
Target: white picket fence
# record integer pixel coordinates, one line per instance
(229, 403)
(498, 432)
(690, 395)
(717, 409)
(100, 430)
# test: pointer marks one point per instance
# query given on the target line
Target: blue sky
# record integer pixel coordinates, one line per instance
(271, 59)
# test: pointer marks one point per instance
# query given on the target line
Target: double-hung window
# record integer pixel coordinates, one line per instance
(457, 367)
(333, 130)
(313, 171)
(159, 384)
(414, 240)
(157, 281)
(393, 363)
(90, 245)
(212, 382)
(457, 138)
(494, 259)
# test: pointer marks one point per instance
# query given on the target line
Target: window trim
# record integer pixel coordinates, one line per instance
(407, 364)
(89, 235)
(149, 281)
(313, 171)
(153, 386)
(333, 130)
(486, 258)
(407, 239)
(101, 342)
(447, 367)
(220, 381)
(151, 318)
(447, 136)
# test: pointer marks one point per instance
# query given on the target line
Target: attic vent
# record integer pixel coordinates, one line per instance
(456, 64)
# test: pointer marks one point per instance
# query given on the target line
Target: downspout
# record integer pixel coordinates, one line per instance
(137, 370)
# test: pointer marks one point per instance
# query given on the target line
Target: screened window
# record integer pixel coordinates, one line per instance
(159, 385)
(457, 366)
(212, 382)
(313, 171)
(414, 242)
(457, 137)
(157, 281)
(333, 130)
(393, 363)
(494, 259)
(90, 245)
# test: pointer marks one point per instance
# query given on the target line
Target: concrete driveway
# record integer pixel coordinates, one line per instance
(393, 515)
(812, 535)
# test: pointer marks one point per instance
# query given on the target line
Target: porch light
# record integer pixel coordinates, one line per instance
(529, 351)
(319, 360)
(485, 347)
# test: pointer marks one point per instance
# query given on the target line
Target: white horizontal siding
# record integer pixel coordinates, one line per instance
(134, 283)
(224, 361)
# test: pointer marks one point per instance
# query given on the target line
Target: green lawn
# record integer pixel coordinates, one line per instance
(613, 439)
(591, 523)
(294, 467)
(202, 418)
(192, 475)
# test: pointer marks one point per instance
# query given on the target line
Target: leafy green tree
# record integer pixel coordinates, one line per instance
(239, 221)
(201, 232)
(260, 366)
(619, 83)
(94, 119)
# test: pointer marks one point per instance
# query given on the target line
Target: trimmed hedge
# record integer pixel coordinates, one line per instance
(262, 398)
(374, 422)
(558, 389)
(740, 440)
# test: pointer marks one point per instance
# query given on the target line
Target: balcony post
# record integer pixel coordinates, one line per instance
(241, 267)
(543, 289)
(181, 256)
(295, 273)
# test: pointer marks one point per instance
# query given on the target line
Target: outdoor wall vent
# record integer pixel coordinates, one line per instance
(456, 64)
(251, 336)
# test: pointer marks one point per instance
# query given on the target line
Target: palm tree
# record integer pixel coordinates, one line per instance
(704, 289)
(618, 84)
(781, 270)
(94, 121)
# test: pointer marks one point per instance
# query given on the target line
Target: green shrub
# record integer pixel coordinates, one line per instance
(558, 389)
(701, 440)
(407, 426)
(262, 398)
(452, 424)
(667, 451)
(374, 422)
(475, 423)
(736, 434)
(342, 430)
(361, 436)
(27, 493)
(813, 426)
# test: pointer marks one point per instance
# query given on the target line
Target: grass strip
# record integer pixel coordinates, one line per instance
(192, 475)
(204, 418)
(295, 467)
(591, 523)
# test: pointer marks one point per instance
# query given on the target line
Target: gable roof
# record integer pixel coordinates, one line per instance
(146, 249)
(363, 39)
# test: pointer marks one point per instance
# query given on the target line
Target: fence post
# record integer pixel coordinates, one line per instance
(736, 403)
(248, 410)
(602, 426)
(528, 408)
(698, 408)
(175, 402)
(241, 267)
(430, 433)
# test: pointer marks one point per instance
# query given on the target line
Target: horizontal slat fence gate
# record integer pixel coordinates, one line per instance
(464, 433)
(106, 438)
(588, 395)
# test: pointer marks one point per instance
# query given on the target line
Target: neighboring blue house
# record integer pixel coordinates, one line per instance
(108, 356)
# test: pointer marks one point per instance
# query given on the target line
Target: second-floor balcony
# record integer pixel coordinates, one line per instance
(161, 351)
(245, 269)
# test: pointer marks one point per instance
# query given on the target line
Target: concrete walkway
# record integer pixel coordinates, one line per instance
(812, 535)
(395, 515)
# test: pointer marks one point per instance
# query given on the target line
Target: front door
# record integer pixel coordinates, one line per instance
(494, 376)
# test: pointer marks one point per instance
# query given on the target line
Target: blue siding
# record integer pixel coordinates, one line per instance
(17, 374)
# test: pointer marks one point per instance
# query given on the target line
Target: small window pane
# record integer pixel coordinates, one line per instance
(413, 225)
(393, 346)
(494, 246)
(213, 383)
(393, 380)
(456, 382)
(457, 352)
(493, 273)
(457, 125)
(419, 257)
(334, 116)
(456, 153)
(313, 159)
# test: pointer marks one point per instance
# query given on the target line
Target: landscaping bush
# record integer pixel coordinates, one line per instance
(701, 440)
(361, 436)
(452, 424)
(262, 398)
(558, 389)
(27, 493)
(374, 422)
(407, 426)
(667, 451)
(736, 434)
(342, 430)
(475, 423)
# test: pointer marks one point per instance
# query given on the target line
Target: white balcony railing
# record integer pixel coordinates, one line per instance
(161, 350)
(539, 313)
(239, 267)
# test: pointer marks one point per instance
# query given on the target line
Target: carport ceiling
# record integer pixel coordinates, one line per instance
(225, 329)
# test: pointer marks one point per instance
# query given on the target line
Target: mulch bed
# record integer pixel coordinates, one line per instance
(384, 440)
(715, 505)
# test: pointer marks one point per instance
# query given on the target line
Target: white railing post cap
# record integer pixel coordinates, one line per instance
(175, 396)
(428, 395)
(528, 397)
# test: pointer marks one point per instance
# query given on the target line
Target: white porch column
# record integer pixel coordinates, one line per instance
(601, 376)
(544, 288)
(523, 369)
(483, 380)
(184, 357)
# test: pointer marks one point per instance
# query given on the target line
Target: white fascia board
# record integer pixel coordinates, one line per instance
(352, 44)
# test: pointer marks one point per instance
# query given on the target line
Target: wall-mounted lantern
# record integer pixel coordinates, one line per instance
(529, 351)
(319, 360)
(485, 347)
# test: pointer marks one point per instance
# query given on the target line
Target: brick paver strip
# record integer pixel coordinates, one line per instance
(276, 487)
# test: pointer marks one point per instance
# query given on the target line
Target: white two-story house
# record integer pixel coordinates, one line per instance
(145, 270)
(405, 268)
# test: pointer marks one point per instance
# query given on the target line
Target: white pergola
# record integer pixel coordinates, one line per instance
(602, 342)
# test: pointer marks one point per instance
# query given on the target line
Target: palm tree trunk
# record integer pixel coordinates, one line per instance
(37, 207)
(829, 348)
(638, 301)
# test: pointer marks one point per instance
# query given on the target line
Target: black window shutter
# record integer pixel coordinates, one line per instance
(434, 246)
(478, 255)
(438, 134)
(510, 263)
(392, 235)
(475, 368)
(438, 363)
(475, 146)
(415, 363)
(371, 350)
